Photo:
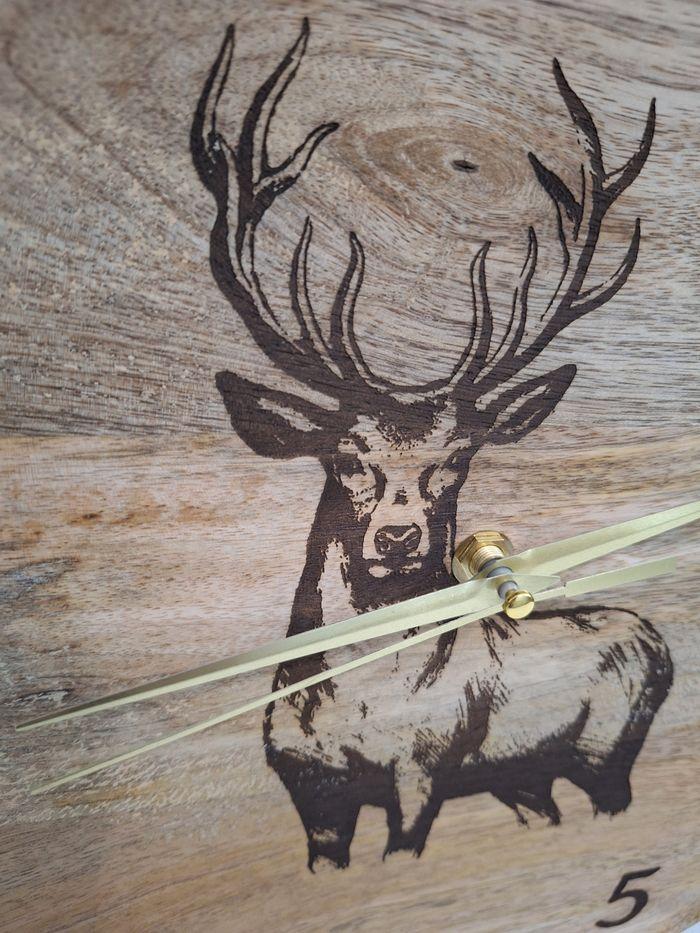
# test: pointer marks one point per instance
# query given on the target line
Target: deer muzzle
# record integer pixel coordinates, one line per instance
(394, 541)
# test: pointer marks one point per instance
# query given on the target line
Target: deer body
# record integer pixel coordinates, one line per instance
(395, 458)
(468, 701)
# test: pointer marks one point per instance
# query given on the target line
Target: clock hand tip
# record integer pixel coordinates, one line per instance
(31, 724)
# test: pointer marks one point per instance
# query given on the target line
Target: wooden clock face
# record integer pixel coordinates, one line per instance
(289, 310)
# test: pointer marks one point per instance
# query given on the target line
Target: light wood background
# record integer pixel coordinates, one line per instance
(140, 535)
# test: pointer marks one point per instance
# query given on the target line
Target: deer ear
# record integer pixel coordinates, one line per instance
(524, 407)
(278, 424)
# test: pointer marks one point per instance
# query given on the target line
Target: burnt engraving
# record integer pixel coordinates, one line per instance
(380, 539)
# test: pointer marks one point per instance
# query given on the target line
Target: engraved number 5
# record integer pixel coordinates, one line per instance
(638, 895)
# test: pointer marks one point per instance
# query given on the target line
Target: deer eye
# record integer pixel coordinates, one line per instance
(379, 482)
(350, 465)
(454, 461)
(424, 481)
(439, 477)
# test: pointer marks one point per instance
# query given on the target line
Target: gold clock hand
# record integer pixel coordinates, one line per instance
(487, 553)
(413, 613)
(570, 552)
(473, 596)
(599, 581)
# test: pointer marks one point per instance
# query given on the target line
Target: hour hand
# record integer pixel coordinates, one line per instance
(571, 552)
(490, 553)
(611, 578)
(431, 608)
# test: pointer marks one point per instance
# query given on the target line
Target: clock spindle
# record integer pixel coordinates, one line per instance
(477, 553)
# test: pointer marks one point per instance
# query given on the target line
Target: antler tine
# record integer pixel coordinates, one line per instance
(517, 322)
(311, 333)
(596, 296)
(343, 339)
(343, 355)
(625, 175)
(208, 158)
(260, 183)
(482, 326)
(258, 118)
(216, 162)
(477, 350)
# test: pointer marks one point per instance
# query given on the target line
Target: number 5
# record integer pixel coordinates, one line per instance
(638, 895)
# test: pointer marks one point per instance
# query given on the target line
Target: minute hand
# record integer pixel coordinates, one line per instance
(472, 596)
(578, 587)
(570, 552)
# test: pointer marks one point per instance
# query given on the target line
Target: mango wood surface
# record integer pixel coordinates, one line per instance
(140, 535)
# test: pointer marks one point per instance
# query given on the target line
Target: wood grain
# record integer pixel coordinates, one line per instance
(141, 536)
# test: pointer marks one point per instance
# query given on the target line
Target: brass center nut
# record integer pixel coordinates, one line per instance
(477, 550)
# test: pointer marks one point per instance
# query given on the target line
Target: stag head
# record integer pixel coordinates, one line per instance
(369, 432)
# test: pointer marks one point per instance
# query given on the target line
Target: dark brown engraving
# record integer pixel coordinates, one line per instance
(638, 895)
(382, 539)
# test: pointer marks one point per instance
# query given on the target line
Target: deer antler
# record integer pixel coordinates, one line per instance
(483, 367)
(335, 363)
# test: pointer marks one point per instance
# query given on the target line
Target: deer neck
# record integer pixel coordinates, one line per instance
(335, 582)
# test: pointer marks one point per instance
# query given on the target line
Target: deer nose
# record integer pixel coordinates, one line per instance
(397, 540)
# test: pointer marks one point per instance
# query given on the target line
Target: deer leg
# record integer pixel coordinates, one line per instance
(416, 837)
(328, 796)
(534, 792)
(326, 802)
(316, 781)
(517, 782)
(635, 674)
(413, 812)
(330, 828)
(608, 786)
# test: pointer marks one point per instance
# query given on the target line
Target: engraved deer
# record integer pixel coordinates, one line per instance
(395, 458)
